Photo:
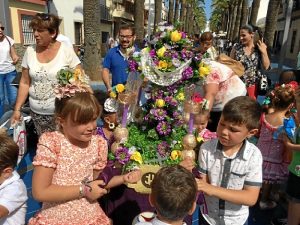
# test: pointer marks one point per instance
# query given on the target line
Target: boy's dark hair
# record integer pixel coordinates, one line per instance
(9, 152)
(287, 76)
(173, 191)
(243, 110)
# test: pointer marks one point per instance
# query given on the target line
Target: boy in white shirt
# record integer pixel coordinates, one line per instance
(173, 195)
(13, 194)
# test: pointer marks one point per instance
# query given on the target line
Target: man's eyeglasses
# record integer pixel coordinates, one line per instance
(2, 28)
(125, 36)
(43, 16)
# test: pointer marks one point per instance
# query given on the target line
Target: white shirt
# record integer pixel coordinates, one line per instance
(65, 39)
(43, 77)
(243, 168)
(13, 197)
(155, 221)
(6, 61)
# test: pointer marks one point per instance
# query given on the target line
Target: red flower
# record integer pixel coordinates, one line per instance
(197, 98)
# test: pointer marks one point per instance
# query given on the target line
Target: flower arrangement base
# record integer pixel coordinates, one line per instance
(144, 185)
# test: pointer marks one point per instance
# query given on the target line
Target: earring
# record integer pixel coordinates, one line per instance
(111, 125)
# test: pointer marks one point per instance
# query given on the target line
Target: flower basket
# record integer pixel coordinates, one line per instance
(148, 173)
(158, 77)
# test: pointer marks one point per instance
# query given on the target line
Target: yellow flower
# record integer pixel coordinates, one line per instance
(120, 88)
(160, 52)
(175, 36)
(160, 103)
(204, 70)
(180, 96)
(112, 94)
(77, 74)
(136, 156)
(175, 154)
(200, 139)
(163, 65)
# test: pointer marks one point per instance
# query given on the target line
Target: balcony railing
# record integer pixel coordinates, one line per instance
(105, 13)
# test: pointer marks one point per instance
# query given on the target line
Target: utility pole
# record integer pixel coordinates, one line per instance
(285, 33)
(5, 17)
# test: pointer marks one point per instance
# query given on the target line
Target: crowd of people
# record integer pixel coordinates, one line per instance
(248, 149)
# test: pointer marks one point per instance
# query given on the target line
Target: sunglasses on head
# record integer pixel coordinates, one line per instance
(2, 28)
(43, 16)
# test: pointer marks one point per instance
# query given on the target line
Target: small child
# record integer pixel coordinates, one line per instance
(230, 166)
(13, 194)
(69, 160)
(200, 124)
(173, 194)
(274, 168)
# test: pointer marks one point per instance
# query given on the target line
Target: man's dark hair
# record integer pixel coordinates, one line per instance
(127, 27)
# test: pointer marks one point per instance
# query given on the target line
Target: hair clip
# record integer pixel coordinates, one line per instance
(71, 82)
(111, 105)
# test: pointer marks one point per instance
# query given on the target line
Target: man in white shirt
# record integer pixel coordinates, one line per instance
(65, 39)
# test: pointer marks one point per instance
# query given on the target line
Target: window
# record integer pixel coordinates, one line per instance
(293, 41)
(27, 33)
(105, 36)
(78, 33)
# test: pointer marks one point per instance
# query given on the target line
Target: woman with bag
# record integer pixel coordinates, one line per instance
(252, 53)
(40, 65)
(8, 60)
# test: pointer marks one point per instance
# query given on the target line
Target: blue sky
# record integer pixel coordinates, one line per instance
(208, 8)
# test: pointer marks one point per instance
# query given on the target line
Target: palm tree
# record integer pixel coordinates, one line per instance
(171, 11)
(244, 13)
(236, 28)
(92, 38)
(176, 15)
(158, 9)
(254, 12)
(220, 15)
(271, 21)
(139, 21)
(183, 13)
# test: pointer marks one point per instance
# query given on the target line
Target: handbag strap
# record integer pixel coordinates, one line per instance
(8, 40)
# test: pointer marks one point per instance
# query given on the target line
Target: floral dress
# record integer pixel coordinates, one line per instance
(251, 64)
(274, 168)
(72, 165)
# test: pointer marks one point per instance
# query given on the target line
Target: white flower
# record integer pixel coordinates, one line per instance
(132, 150)
(136, 54)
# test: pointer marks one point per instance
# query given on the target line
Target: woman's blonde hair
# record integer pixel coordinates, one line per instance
(46, 21)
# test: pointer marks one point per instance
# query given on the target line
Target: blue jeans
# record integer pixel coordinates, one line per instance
(8, 92)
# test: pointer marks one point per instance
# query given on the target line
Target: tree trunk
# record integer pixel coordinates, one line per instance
(237, 21)
(271, 21)
(171, 12)
(254, 12)
(139, 22)
(92, 38)
(158, 9)
(244, 13)
(176, 15)
(188, 18)
(183, 13)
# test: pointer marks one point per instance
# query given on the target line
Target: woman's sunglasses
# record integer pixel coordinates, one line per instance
(2, 28)
(43, 16)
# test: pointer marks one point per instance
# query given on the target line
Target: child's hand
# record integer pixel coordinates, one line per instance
(188, 163)
(204, 186)
(132, 177)
(94, 190)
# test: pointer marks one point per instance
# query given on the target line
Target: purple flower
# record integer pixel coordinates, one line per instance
(171, 101)
(163, 149)
(187, 73)
(133, 65)
(122, 155)
(159, 114)
(163, 128)
(183, 35)
(152, 53)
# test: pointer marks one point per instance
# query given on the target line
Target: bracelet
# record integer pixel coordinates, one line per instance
(81, 191)
(17, 110)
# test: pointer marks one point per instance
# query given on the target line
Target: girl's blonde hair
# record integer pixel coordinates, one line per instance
(82, 108)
